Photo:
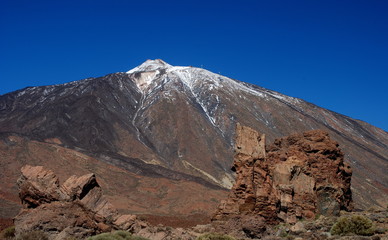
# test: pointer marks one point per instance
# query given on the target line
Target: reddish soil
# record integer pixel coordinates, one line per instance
(130, 193)
(5, 223)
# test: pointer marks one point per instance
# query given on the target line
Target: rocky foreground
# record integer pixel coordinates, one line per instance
(296, 188)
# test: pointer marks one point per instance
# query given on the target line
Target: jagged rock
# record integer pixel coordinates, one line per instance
(37, 186)
(77, 208)
(89, 193)
(77, 187)
(249, 143)
(296, 177)
(131, 224)
(125, 221)
(57, 218)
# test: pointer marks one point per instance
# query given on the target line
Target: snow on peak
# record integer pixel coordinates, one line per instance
(150, 65)
(147, 72)
(193, 78)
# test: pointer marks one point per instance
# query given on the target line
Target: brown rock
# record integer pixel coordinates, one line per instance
(53, 218)
(97, 203)
(77, 187)
(89, 193)
(104, 227)
(242, 226)
(37, 186)
(249, 142)
(298, 228)
(297, 177)
(77, 208)
(126, 222)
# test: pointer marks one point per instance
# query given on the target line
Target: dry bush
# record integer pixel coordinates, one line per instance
(118, 235)
(33, 235)
(8, 233)
(356, 224)
(215, 236)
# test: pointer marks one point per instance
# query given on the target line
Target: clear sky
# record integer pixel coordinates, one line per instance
(333, 53)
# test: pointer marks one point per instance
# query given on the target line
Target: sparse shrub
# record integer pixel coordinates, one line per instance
(283, 233)
(138, 238)
(71, 238)
(105, 236)
(356, 224)
(118, 235)
(8, 232)
(33, 235)
(215, 236)
(123, 234)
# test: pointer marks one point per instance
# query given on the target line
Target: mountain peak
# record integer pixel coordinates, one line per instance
(150, 65)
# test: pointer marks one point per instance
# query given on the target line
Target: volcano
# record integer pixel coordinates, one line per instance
(160, 137)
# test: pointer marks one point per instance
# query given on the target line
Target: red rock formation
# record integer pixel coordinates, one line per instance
(77, 208)
(296, 177)
(37, 186)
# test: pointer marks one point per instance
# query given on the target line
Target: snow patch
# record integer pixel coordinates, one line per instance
(227, 180)
(145, 79)
(184, 74)
(150, 65)
(284, 98)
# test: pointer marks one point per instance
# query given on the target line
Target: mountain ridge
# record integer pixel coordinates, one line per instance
(177, 123)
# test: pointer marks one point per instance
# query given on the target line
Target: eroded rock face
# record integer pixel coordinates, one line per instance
(77, 208)
(296, 177)
(37, 186)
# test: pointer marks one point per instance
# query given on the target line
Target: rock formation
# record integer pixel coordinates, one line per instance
(77, 208)
(296, 177)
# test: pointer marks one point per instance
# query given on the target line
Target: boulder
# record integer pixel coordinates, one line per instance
(298, 228)
(37, 186)
(57, 218)
(77, 208)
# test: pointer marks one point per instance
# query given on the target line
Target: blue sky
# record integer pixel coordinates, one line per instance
(332, 53)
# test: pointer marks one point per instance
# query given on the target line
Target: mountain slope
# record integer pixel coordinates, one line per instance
(176, 124)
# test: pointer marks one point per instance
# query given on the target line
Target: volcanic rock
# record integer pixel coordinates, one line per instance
(77, 208)
(78, 187)
(37, 186)
(296, 177)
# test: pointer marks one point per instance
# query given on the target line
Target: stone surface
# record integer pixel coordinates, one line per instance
(298, 228)
(77, 187)
(65, 218)
(76, 209)
(125, 221)
(296, 177)
(37, 186)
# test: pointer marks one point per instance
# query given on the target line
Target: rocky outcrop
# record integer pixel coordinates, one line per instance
(38, 186)
(296, 177)
(77, 208)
